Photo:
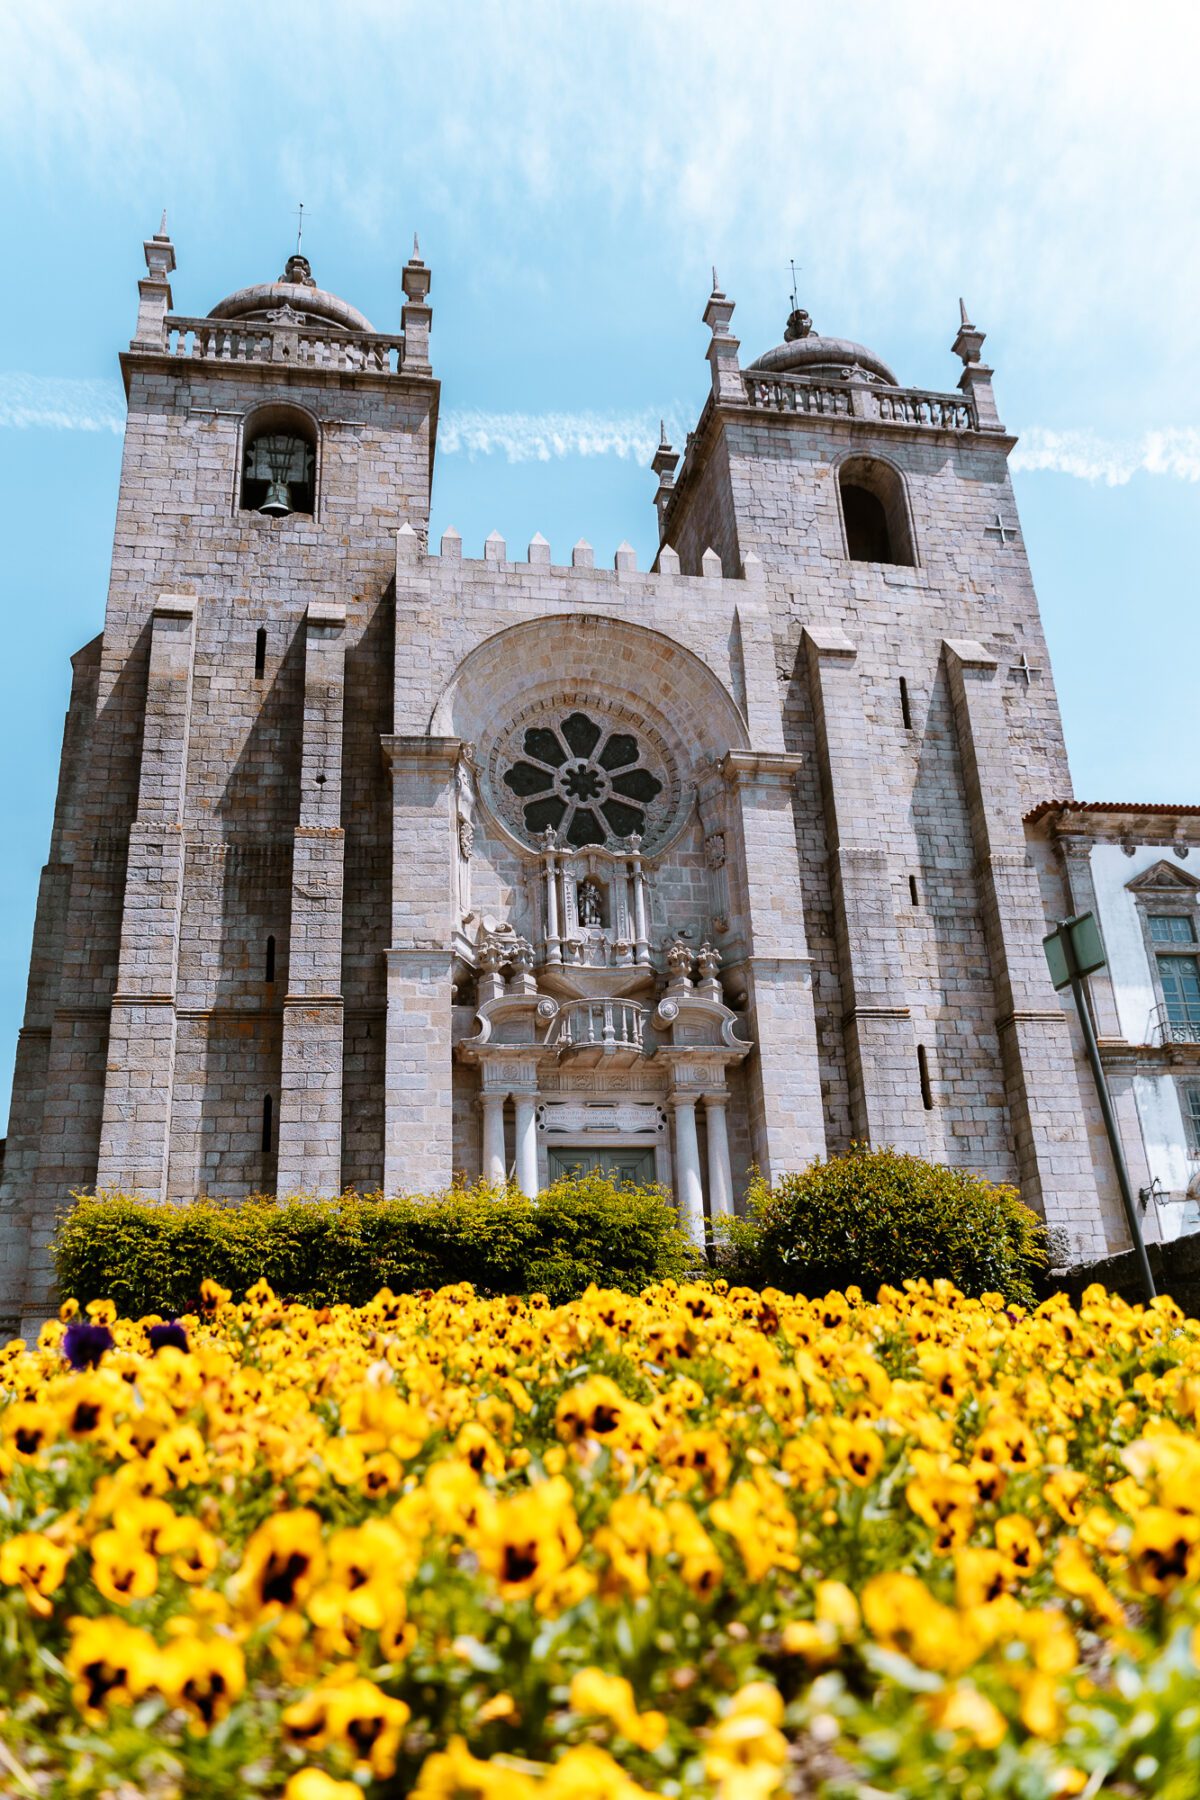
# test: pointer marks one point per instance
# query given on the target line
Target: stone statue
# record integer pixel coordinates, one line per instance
(590, 910)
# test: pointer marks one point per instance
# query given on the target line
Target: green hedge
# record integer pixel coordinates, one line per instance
(151, 1258)
(877, 1216)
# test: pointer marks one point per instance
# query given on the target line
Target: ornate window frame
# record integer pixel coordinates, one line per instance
(1165, 891)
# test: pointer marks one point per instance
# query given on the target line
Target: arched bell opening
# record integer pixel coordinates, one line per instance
(875, 513)
(279, 462)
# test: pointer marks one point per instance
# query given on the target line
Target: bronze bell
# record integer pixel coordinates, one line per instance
(278, 502)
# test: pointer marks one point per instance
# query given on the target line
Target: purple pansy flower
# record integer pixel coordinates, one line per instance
(171, 1332)
(83, 1344)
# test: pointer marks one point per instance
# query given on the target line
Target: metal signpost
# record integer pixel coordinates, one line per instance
(1074, 950)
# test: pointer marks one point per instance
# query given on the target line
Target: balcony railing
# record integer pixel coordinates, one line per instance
(604, 1025)
(1177, 1025)
(256, 341)
(861, 400)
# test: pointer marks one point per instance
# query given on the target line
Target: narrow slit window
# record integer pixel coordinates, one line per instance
(923, 1069)
(260, 653)
(905, 708)
(270, 976)
(912, 890)
(267, 1121)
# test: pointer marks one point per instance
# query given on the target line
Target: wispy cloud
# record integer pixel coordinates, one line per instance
(58, 403)
(1112, 461)
(546, 437)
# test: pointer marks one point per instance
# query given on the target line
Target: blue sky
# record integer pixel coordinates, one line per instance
(574, 171)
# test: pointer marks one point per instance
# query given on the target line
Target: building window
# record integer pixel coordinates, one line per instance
(582, 779)
(279, 462)
(905, 707)
(1179, 978)
(1172, 928)
(270, 958)
(268, 1110)
(260, 653)
(1189, 1100)
(923, 1072)
(875, 512)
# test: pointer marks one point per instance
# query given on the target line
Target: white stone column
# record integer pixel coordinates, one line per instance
(689, 1194)
(526, 1143)
(527, 1169)
(493, 1138)
(640, 933)
(720, 1173)
(553, 935)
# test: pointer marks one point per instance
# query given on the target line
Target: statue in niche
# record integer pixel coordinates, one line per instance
(465, 808)
(591, 903)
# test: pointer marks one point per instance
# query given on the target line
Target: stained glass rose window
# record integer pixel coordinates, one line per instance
(584, 777)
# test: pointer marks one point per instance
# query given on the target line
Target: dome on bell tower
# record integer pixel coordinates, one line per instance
(294, 295)
(805, 352)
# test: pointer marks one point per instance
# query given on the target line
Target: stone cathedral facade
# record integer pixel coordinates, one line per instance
(373, 863)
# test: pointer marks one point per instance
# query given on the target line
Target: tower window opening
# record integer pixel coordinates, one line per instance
(260, 653)
(874, 512)
(279, 461)
(923, 1071)
(912, 890)
(270, 959)
(267, 1122)
(905, 707)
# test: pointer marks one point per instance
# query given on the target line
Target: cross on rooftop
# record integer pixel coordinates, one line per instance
(1002, 531)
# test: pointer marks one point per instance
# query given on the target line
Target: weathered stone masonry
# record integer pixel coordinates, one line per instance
(372, 865)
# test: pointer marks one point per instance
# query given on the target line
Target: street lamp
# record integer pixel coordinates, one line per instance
(1075, 950)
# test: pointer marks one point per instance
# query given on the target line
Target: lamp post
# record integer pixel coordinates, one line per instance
(1075, 950)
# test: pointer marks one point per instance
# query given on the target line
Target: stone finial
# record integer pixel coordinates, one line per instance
(408, 544)
(799, 325)
(752, 569)
(154, 291)
(722, 352)
(625, 561)
(710, 565)
(969, 342)
(976, 379)
(452, 543)
(416, 315)
(679, 966)
(665, 460)
(583, 556)
(162, 231)
(494, 548)
(668, 561)
(539, 549)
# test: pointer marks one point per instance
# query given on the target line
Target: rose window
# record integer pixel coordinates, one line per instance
(586, 780)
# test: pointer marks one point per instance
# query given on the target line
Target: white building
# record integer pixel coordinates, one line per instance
(1131, 866)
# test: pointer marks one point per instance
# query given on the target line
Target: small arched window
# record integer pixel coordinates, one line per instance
(874, 512)
(279, 462)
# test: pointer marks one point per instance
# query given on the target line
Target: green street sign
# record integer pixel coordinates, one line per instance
(1074, 948)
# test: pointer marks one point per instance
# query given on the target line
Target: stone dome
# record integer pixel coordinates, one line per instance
(296, 291)
(805, 352)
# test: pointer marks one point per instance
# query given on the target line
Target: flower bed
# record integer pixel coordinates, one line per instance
(694, 1543)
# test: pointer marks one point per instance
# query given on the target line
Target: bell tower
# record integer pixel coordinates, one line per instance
(193, 1023)
(918, 700)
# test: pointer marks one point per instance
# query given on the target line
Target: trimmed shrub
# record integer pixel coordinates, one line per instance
(878, 1216)
(150, 1257)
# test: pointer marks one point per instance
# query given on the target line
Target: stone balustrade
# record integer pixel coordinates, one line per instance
(301, 346)
(859, 400)
(598, 1024)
